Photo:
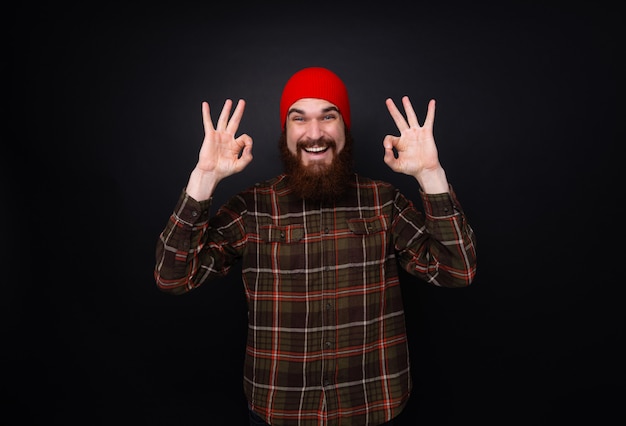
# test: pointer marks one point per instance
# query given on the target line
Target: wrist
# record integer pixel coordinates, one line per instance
(433, 181)
(201, 184)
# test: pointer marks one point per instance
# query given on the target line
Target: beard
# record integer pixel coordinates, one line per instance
(318, 182)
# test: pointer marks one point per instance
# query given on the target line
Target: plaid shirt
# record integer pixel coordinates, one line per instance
(326, 338)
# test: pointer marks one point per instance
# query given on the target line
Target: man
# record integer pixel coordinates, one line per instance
(320, 247)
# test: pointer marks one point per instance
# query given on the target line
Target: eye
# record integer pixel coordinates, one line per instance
(328, 117)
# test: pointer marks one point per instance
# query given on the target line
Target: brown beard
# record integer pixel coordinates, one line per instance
(318, 182)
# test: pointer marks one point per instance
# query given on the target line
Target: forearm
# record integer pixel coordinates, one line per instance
(177, 247)
(193, 249)
(445, 253)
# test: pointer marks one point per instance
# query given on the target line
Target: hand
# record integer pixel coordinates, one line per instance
(221, 154)
(416, 149)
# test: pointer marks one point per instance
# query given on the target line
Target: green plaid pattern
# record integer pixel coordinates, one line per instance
(326, 340)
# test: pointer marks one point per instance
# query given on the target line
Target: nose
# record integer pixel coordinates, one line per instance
(314, 129)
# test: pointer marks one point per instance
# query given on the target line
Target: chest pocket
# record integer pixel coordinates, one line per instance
(282, 248)
(370, 239)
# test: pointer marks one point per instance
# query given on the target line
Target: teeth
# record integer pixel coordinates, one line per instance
(315, 149)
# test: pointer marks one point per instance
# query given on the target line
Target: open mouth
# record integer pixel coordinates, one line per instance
(316, 149)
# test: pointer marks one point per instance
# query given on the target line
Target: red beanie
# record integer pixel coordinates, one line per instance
(315, 82)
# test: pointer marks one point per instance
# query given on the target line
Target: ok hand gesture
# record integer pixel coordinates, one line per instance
(416, 149)
(221, 154)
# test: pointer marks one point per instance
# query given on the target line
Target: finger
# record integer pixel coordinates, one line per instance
(397, 116)
(410, 112)
(246, 153)
(206, 118)
(233, 123)
(391, 161)
(430, 115)
(223, 120)
(390, 141)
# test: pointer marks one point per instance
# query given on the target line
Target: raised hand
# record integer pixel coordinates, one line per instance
(222, 154)
(417, 154)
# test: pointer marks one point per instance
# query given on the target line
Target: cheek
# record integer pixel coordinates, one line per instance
(292, 147)
(340, 140)
(292, 144)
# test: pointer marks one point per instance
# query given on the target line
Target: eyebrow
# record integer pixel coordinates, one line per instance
(325, 110)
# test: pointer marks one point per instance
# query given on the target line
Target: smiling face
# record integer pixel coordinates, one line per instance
(315, 132)
(316, 149)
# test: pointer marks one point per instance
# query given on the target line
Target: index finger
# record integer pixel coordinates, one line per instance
(430, 114)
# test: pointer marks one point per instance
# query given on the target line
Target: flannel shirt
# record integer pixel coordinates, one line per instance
(326, 342)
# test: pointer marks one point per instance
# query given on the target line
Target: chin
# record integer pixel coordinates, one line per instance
(317, 167)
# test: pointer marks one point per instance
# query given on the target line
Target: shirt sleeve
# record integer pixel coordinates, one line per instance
(180, 264)
(442, 251)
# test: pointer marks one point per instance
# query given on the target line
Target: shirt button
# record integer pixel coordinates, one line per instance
(326, 382)
(328, 344)
(326, 230)
(282, 235)
(328, 306)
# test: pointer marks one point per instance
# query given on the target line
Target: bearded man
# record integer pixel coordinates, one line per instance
(320, 247)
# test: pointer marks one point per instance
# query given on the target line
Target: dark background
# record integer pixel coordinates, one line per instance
(105, 126)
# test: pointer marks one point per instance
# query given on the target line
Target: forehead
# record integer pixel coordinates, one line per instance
(312, 105)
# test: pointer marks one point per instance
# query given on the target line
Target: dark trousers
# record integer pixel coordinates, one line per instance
(256, 420)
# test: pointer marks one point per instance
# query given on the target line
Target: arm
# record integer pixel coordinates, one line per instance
(189, 250)
(196, 247)
(417, 152)
(438, 245)
(221, 154)
(445, 253)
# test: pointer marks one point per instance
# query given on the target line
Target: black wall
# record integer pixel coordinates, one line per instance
(105, 126)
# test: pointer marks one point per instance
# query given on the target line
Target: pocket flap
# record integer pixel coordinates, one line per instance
(369, 225)
(282, 234)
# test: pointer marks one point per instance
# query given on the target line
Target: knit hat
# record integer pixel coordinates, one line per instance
(315, 82)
